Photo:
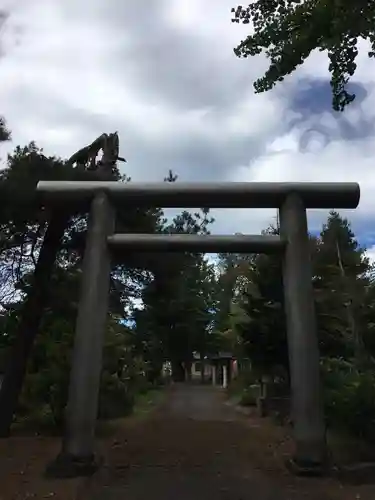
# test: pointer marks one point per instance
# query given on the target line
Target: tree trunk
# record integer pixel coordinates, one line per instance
(360, 355)
(31, 315)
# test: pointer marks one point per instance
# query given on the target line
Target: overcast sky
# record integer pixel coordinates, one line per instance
(163, 73)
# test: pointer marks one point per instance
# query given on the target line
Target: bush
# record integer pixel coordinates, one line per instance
(47, 387)
(249, 396)
(116, 399)
(47, 382)
(349, 397)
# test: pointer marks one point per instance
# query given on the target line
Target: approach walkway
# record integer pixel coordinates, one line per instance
(197, 447)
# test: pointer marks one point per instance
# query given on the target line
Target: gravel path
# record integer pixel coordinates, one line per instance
(195, 447)
(201, 403)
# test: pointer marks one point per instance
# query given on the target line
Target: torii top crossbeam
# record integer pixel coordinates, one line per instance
(204, 195)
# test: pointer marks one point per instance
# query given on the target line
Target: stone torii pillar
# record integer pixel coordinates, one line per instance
(77, 455)
(307, 406)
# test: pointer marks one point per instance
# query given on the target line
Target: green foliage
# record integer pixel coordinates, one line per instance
(245, 387)
(349, 398)
(341, 280)
(289, 30)
(23, 225)
(345, 305)
(123, 375)
(249, 396)
(4, 132)
(232, 282)
(262, 328)
(178, 301)
(116, 397)
(130, 363)
(47, 380)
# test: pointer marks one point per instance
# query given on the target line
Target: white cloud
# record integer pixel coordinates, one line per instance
(370, 252)
(164, 75)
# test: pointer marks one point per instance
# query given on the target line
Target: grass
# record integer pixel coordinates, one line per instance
(41, 422)
(147, 402)
(243, 393)
(346, 449)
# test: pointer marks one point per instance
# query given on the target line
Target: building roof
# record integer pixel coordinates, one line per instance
(222, 355)
(219, 355)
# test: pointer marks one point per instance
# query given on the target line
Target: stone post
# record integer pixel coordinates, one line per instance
(77, 456)
(214, 375)
(307, 407)
(225, 376)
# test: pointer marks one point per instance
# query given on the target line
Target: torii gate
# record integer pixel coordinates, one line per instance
(292, 199)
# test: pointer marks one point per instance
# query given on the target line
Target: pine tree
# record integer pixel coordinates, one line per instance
(340, 279)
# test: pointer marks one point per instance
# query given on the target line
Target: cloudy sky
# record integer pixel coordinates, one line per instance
(163, 73)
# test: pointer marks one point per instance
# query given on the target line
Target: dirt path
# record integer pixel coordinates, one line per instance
(197, 447)
(201, 403)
